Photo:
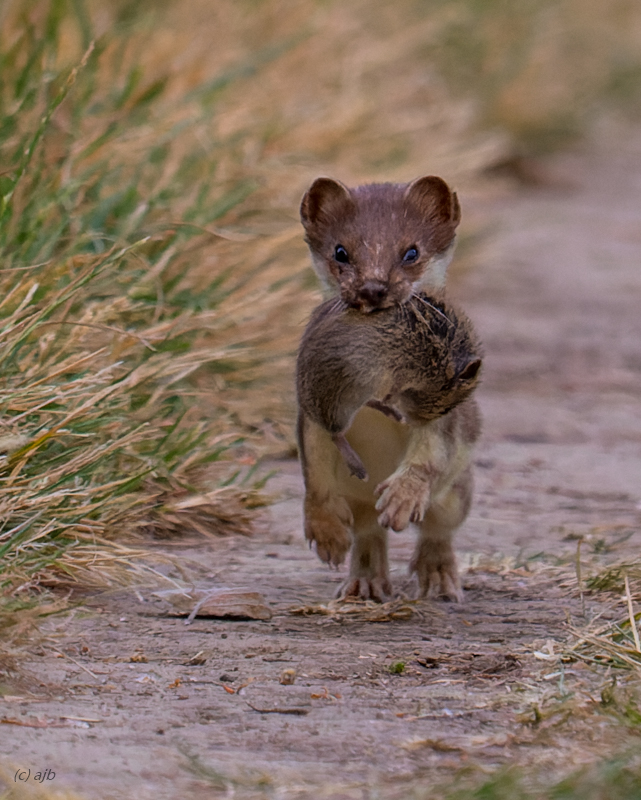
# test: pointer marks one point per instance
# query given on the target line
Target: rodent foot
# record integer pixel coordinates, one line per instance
(403, 498)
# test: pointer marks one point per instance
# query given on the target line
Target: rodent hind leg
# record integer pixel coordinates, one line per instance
(368, 565)
(433, 561)
(350, 456)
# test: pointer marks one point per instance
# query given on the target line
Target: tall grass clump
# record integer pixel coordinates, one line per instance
(105, 200)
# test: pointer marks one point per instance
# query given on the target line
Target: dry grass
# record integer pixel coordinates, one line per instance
(102, 342)
(361, 610)
(615, 642)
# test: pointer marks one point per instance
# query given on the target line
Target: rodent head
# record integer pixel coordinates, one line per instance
(380, 243)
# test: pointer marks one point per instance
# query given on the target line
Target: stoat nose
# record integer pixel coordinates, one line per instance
(374, 292)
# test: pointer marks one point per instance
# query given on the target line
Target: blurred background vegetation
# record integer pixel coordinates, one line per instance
(153, 276)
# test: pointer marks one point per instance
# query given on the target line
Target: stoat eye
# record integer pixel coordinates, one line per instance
(411, 254)
(341, 255)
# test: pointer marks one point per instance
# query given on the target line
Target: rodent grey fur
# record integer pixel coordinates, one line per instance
(415, 362)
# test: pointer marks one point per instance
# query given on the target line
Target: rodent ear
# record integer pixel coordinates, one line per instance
(471, 370)
(435, 199)
(324, 198)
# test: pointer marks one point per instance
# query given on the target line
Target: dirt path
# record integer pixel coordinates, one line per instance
(558, 308)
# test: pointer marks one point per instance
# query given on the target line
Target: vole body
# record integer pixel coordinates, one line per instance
(379, 249)
(414, 362)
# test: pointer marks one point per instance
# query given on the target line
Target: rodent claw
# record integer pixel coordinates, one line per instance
(361, 474)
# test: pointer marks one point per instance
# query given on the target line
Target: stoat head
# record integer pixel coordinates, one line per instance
(377, 245)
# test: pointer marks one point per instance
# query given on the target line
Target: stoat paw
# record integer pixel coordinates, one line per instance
(329, 535)
(437, 574)
(378, 589)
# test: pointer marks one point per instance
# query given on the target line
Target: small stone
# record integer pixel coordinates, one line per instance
(287, 677)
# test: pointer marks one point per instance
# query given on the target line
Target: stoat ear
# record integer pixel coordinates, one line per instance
(435, 199)
(324, 199)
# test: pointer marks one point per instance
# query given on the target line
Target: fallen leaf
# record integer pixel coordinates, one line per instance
(325, 695)
(199, 602)
(294, 710)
